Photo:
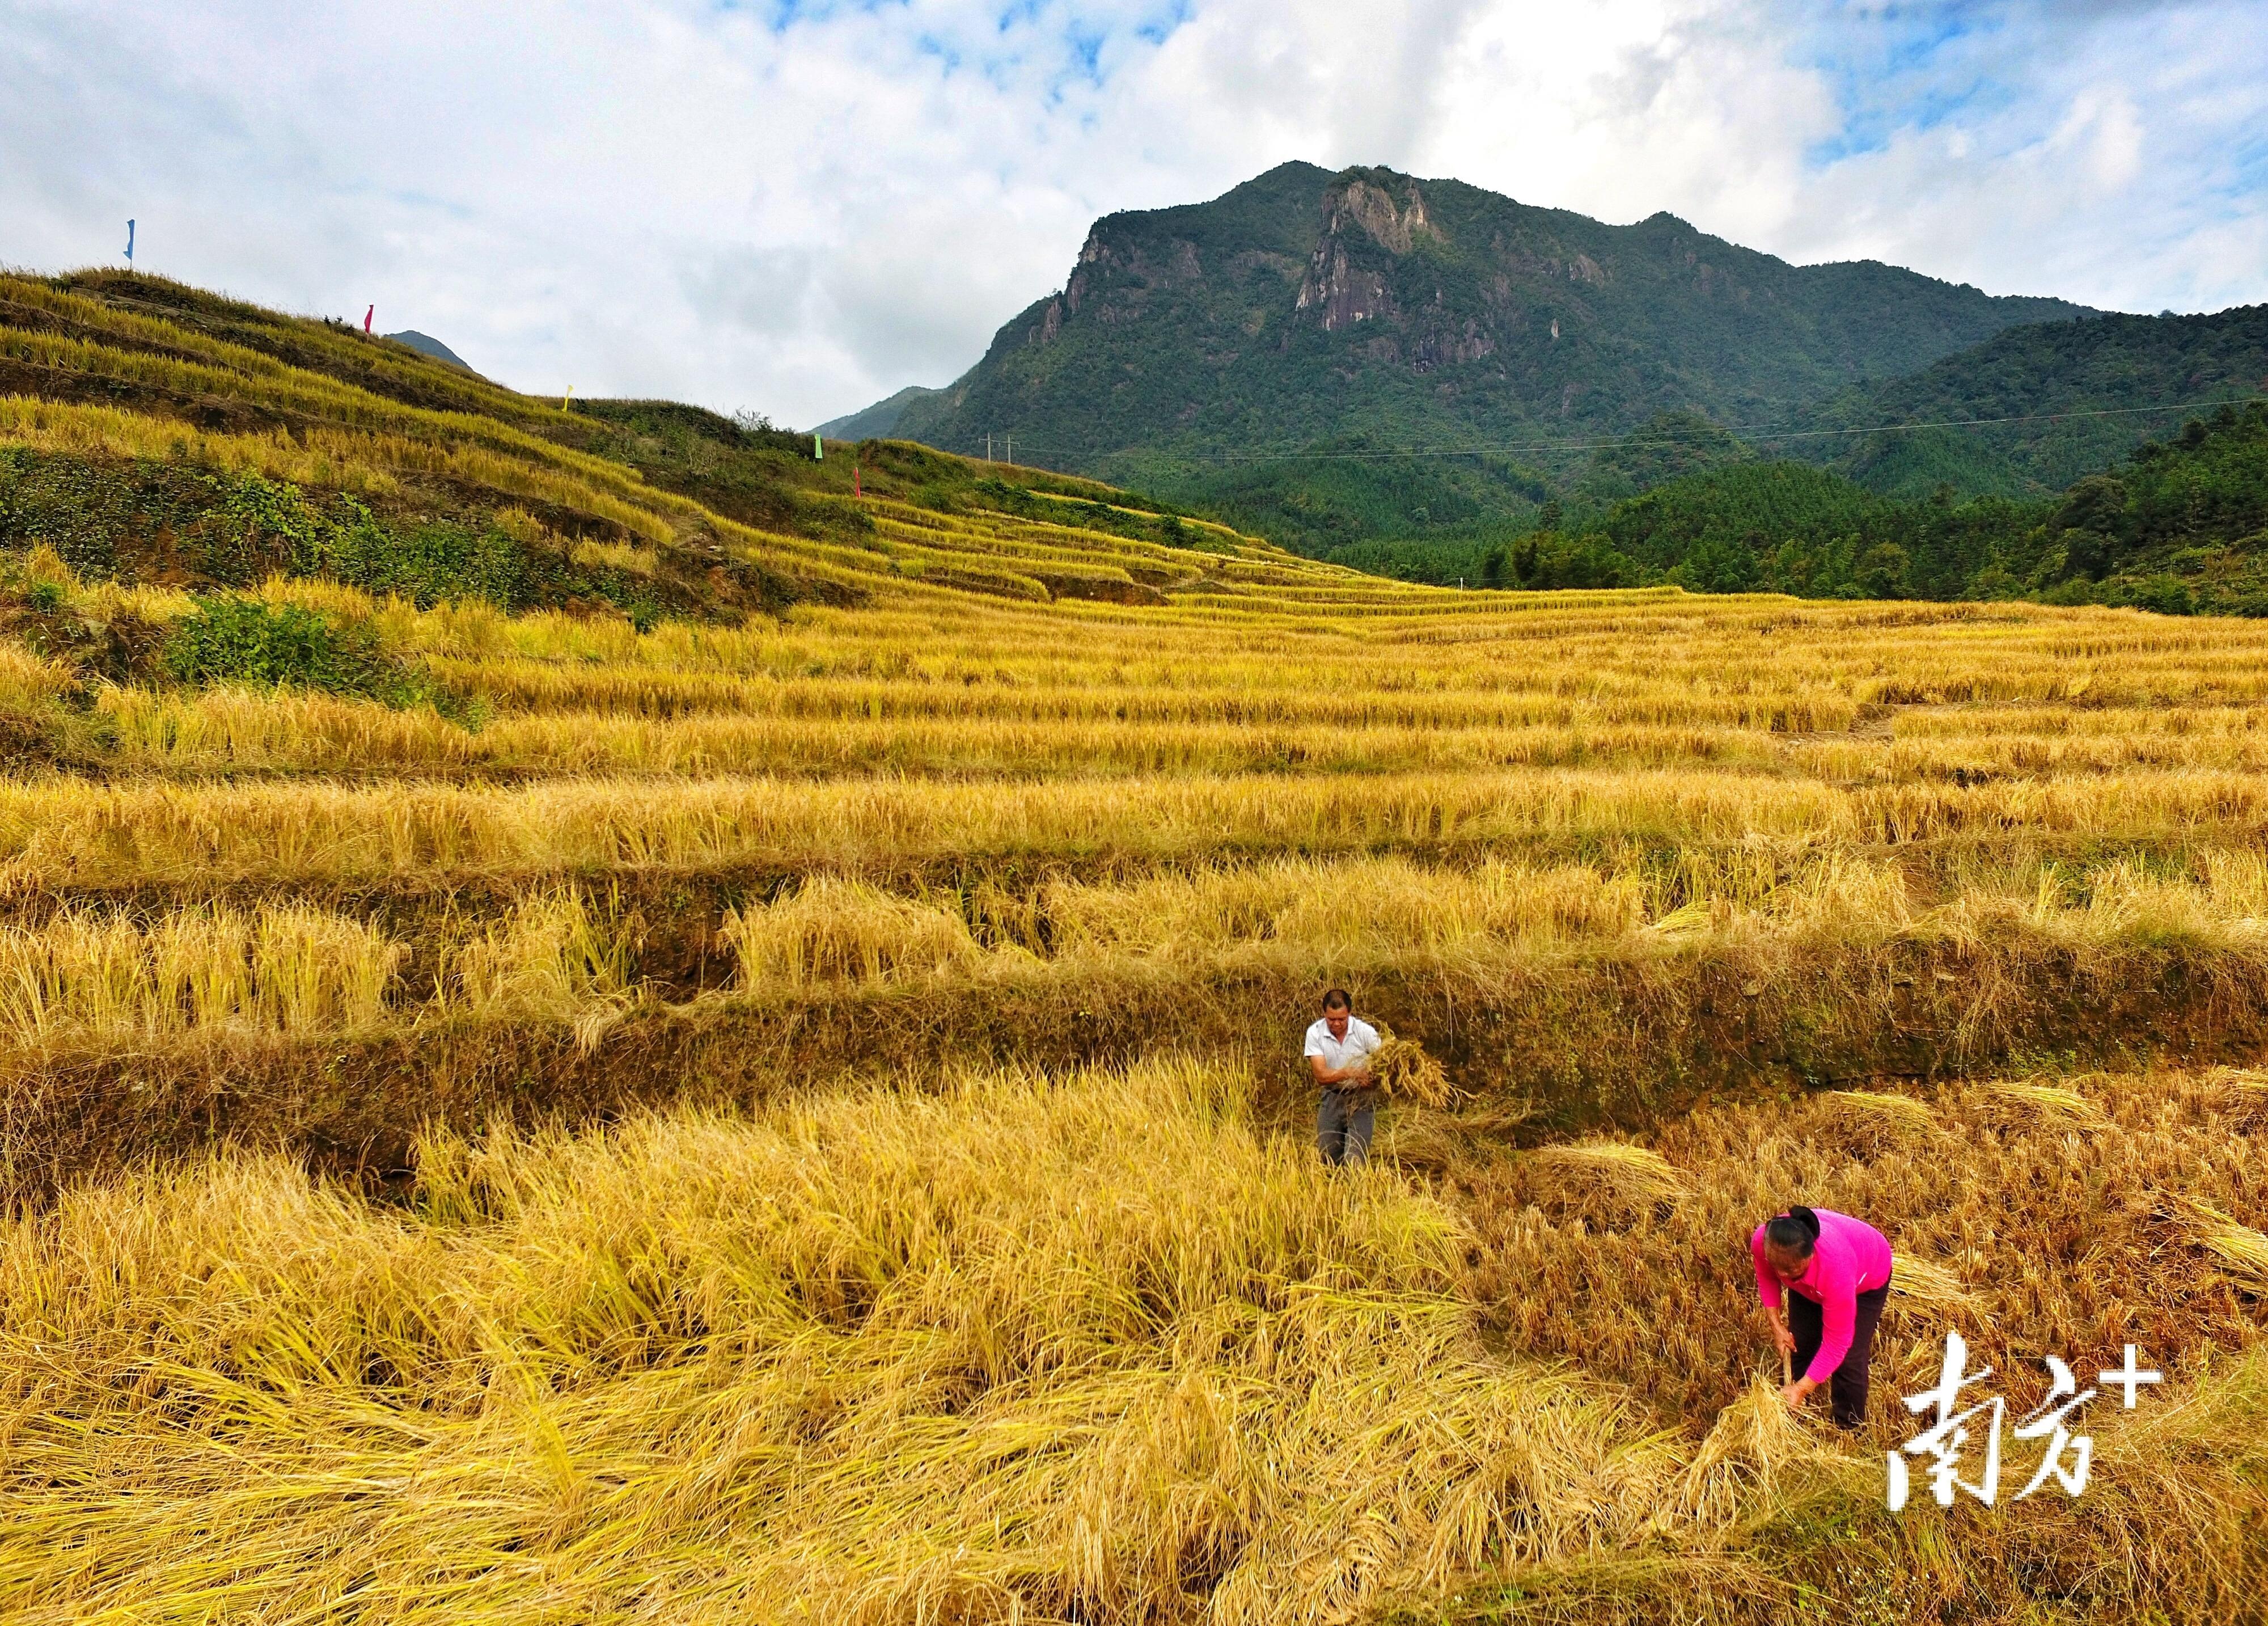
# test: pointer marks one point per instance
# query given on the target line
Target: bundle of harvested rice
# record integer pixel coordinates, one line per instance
(1757, 1451)
(1931, 1284)
(1892, 1112)
(1636, 1173)
(2248, 1094)
(1873, 1125)
(1401, 1068)
(2240, 1250)
(2048, 1103)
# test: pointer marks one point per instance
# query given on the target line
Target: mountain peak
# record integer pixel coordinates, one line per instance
(1307, 307)
(1388, 206)
(426, 345)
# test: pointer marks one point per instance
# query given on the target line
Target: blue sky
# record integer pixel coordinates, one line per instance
(798, 208)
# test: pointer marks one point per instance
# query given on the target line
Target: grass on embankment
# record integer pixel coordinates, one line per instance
(539, 1020)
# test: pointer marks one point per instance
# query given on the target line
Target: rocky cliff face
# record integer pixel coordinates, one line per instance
(1346, 284)
(1340, 294)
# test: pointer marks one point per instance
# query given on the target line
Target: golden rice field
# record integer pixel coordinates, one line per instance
(795, 1116)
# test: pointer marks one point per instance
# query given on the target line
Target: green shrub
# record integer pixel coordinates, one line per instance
(423, 563)
(247, 641)
(2165, 594)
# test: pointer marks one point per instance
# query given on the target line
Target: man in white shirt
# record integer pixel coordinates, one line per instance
(1338, 1049)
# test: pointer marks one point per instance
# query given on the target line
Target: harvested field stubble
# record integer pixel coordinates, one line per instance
(875, 1358)
(1071, 1348)
(2073, 1231)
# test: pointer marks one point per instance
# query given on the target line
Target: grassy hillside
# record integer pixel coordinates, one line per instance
(164, 436)
(601, 1021)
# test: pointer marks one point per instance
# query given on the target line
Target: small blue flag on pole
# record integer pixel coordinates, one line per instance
(129, 242)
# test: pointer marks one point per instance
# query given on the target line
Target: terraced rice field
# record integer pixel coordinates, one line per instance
(782, 1103)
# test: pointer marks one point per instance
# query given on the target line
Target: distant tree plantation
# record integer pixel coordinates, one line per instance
(2179, 527)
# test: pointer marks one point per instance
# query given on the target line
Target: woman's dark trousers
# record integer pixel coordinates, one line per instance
(1847, 1388)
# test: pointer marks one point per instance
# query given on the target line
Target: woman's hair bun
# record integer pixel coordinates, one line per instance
(1794, 1231)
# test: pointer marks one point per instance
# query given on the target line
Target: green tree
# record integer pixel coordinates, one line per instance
(1881, 571)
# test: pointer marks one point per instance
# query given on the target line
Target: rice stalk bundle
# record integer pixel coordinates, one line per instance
(2052, 1103)
(2248, 1094)
(1686, 923)
(2242, 1251)
(1754, 1454)
(1929, 1283)
(1636, 1173)
(1401, 1068)
(1898, 1113)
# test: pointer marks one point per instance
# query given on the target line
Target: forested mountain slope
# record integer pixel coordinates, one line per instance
(2033, 408)
(1297, 357)
(1305, 311)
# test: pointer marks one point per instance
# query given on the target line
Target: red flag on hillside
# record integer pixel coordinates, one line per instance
(367, 316)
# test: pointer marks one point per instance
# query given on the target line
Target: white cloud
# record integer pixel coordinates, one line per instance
(801, 208)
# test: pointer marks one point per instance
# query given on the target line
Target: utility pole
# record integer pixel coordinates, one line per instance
(988, 449)
(1012, 451)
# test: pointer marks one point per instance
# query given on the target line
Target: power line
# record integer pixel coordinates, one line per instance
(1764, 432)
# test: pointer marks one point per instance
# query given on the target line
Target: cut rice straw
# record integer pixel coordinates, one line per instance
(2051, 1101)
(1931, 1284)
(2242, 1251)
(1895, 1112)
(1635, 1172)
(1401, 1068)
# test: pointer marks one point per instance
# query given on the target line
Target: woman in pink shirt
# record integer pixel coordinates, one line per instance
(1839, 1271)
